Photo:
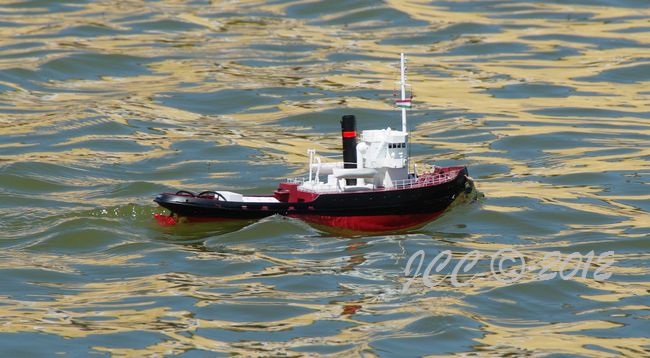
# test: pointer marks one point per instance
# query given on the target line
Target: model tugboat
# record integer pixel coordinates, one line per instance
(371, 190)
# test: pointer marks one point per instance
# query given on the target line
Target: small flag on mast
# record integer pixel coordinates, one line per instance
(403, 103)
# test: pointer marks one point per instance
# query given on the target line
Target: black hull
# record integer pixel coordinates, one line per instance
(416, 201)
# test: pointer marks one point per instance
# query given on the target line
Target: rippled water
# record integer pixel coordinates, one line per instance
(103, 104)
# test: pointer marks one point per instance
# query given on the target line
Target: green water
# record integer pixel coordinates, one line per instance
(104, 104)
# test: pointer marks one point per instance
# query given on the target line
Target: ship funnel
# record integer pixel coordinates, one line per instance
(349, 136)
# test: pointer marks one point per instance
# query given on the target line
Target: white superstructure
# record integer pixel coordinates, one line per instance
(382, 157)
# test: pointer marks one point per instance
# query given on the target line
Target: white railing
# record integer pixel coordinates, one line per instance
(322, 190)
(296, 180)
(425, 180)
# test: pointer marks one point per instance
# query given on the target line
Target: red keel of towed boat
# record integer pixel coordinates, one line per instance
(165, 220)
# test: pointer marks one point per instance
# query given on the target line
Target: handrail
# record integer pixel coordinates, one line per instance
(425, 179)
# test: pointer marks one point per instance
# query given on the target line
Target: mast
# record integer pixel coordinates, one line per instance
(404, 103)
(402, 83)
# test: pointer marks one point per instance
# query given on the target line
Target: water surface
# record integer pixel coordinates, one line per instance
(103, 104)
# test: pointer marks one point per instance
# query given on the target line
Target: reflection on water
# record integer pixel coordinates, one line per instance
(104, 104)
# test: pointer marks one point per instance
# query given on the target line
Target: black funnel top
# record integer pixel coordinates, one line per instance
(349, 136)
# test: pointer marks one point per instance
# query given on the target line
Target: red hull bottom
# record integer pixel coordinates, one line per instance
(374, 223)
(371, 223)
